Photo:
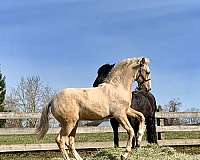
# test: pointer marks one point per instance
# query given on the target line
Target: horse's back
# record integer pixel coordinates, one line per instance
(86, 103)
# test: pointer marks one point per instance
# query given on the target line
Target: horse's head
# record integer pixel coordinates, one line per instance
(102, 73)
(143, 76)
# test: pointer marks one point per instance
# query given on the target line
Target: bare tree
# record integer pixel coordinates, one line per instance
(173, 106)
(30, 95)
(10, 106)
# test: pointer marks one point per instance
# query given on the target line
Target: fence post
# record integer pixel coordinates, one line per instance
(160, 122)
(161, 136)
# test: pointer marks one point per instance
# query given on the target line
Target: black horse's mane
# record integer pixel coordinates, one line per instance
(106, 68)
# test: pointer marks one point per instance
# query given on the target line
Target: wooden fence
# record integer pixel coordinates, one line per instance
(84, 145)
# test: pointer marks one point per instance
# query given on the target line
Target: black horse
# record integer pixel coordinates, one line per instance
(142, 101)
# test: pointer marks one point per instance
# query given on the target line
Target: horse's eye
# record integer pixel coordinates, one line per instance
(147, 72)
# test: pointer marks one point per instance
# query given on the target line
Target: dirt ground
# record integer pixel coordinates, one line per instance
(42, 155)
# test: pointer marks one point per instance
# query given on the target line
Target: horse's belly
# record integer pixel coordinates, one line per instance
(93, 113)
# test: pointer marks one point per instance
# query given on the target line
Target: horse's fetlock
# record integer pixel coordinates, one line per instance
(57, 140)
(128, 149)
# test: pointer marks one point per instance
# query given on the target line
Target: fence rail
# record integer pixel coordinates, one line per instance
(23, 115)
(84, 145)
(25, 131)
(177, 114)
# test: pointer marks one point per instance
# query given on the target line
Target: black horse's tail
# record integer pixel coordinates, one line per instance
(151, 130)
(151, 121)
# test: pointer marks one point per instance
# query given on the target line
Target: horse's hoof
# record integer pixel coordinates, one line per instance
(137, 147)
(116, 146)
(124, 156)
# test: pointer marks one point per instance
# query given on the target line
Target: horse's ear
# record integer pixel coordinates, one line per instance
(144, 61)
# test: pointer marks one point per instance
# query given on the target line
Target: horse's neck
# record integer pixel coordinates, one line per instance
(124, 82)
(128, 83)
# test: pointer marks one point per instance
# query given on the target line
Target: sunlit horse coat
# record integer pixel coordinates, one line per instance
(110, 99)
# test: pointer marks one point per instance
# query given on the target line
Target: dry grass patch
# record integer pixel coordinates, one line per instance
(151, 152)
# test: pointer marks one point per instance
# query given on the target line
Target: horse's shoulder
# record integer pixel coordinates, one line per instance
(146, 97)
(139, 95)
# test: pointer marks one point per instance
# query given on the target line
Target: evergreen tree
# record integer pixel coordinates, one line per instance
(2, 97)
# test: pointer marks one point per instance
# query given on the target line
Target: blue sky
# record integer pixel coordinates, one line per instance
(65, 41)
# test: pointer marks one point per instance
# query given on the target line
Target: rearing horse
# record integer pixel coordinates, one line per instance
(111, 99)
(142, 100)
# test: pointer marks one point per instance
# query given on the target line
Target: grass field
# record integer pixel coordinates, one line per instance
(151, 152)
(93, 137)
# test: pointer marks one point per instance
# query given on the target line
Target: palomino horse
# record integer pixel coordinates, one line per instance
(110, 99)
(142, 100)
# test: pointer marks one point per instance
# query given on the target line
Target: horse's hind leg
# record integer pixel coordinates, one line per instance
(72, 145)
(140, 117)
(123, 120)
(61, 140)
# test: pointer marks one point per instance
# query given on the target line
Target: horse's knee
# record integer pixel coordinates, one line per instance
(131, 132)
(60, 144)
(70, 145)
(142, 118)
(57, 139)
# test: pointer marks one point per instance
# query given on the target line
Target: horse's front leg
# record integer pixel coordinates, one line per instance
(133, 113)
(123, 120)
(115, 125)
(135, 125)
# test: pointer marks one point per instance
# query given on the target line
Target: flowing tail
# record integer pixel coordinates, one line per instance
(43, 126)
(151, 130)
